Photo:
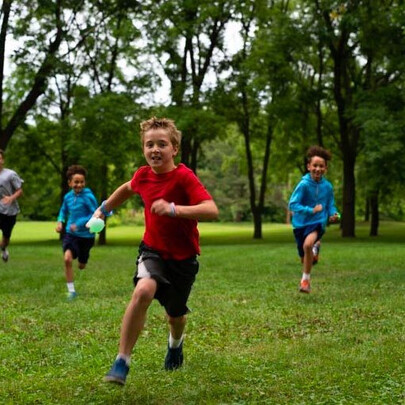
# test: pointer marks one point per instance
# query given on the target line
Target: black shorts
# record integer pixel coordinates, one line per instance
(301, 233)
(80, 247)
(7, 223)
(175, 278)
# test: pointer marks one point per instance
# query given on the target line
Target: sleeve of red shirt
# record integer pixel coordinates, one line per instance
(134, 179)
(194, 188)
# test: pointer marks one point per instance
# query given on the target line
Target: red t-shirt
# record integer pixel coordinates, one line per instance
(174, 238)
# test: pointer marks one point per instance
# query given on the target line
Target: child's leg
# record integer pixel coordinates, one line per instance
(308, 255)
(4, 243)
(177, 325)
(174, 356)
(4, 252)
(315, 251)
(135, 314)
(83, 254)
(68, 260)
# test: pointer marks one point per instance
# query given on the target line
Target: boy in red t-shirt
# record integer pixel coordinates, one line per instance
(174, 200)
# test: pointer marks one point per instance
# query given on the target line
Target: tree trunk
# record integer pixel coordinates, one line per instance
(257, 220)
(367, 210)
(38, 87)
(349, 186)
(186, 150)
(374, 214)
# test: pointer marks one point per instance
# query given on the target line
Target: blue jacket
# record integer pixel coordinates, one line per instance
(306, 195)
(78, 209)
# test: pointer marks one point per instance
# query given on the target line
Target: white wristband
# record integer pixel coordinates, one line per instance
(172, 210)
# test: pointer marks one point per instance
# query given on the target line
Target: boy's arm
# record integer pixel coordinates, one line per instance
(205, 210)
(119, 196)
(295, 205)
(8, 199)
(61, 216)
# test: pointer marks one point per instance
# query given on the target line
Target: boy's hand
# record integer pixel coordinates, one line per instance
(317, 208)
(161, 207)
(334, 218)
(59, 227)
(7, 200)
(98, 214)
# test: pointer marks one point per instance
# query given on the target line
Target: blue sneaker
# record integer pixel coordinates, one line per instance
(71, 295)
(174, 357)
(118, 372)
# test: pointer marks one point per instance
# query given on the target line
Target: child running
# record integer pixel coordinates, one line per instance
(10, 191)
(174, 200)
(77, 208)
(312, 205)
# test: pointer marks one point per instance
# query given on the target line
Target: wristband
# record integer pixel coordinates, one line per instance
(172, 210)
(104, 211)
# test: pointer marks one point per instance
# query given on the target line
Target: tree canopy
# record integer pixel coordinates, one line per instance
(78, 76)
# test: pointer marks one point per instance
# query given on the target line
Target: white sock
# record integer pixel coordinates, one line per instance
(71, 287)
(175, 343)
(306, 276)
(124, 357)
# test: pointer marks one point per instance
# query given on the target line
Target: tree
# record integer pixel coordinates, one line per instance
(382, 165)
(359, 59)
(247, 99)
(39, 31)
(185, 37)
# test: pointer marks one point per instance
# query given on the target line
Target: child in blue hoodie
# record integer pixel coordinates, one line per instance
(312, 205)
(77, 208)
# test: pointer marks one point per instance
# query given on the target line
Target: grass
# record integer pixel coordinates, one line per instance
(251, 337)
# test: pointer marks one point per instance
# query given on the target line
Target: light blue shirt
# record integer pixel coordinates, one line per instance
(306, 195)
(78, 209)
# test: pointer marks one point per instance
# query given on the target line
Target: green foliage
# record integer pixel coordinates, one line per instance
(247, 337)
(103, 81)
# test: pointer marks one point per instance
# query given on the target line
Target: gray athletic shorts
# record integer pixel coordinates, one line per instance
(175, 278)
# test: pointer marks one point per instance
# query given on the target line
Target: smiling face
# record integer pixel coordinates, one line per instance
(159, 151)
(77, 182)
(317, 167)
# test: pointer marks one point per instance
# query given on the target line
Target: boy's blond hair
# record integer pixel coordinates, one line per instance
(164, 123)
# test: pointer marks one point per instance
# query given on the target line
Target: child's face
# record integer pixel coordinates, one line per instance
(317, 167)
(77, 183)
(159, 151)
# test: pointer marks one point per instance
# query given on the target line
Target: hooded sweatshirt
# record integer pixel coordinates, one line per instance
(306, 195)
(78, 209)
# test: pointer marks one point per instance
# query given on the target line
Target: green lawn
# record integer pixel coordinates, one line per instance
(251, 337)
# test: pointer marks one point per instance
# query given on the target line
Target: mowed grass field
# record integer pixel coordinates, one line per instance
(251, 337)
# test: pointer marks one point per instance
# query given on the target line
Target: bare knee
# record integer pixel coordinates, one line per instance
(82, 266)
(307, 248)
(143, 295)
(68, 259)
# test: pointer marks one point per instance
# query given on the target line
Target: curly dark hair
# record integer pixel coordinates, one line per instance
(75, 169)
(318, 151)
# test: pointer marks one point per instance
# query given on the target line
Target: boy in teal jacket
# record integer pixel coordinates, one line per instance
(77, 208)
(312, 205)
